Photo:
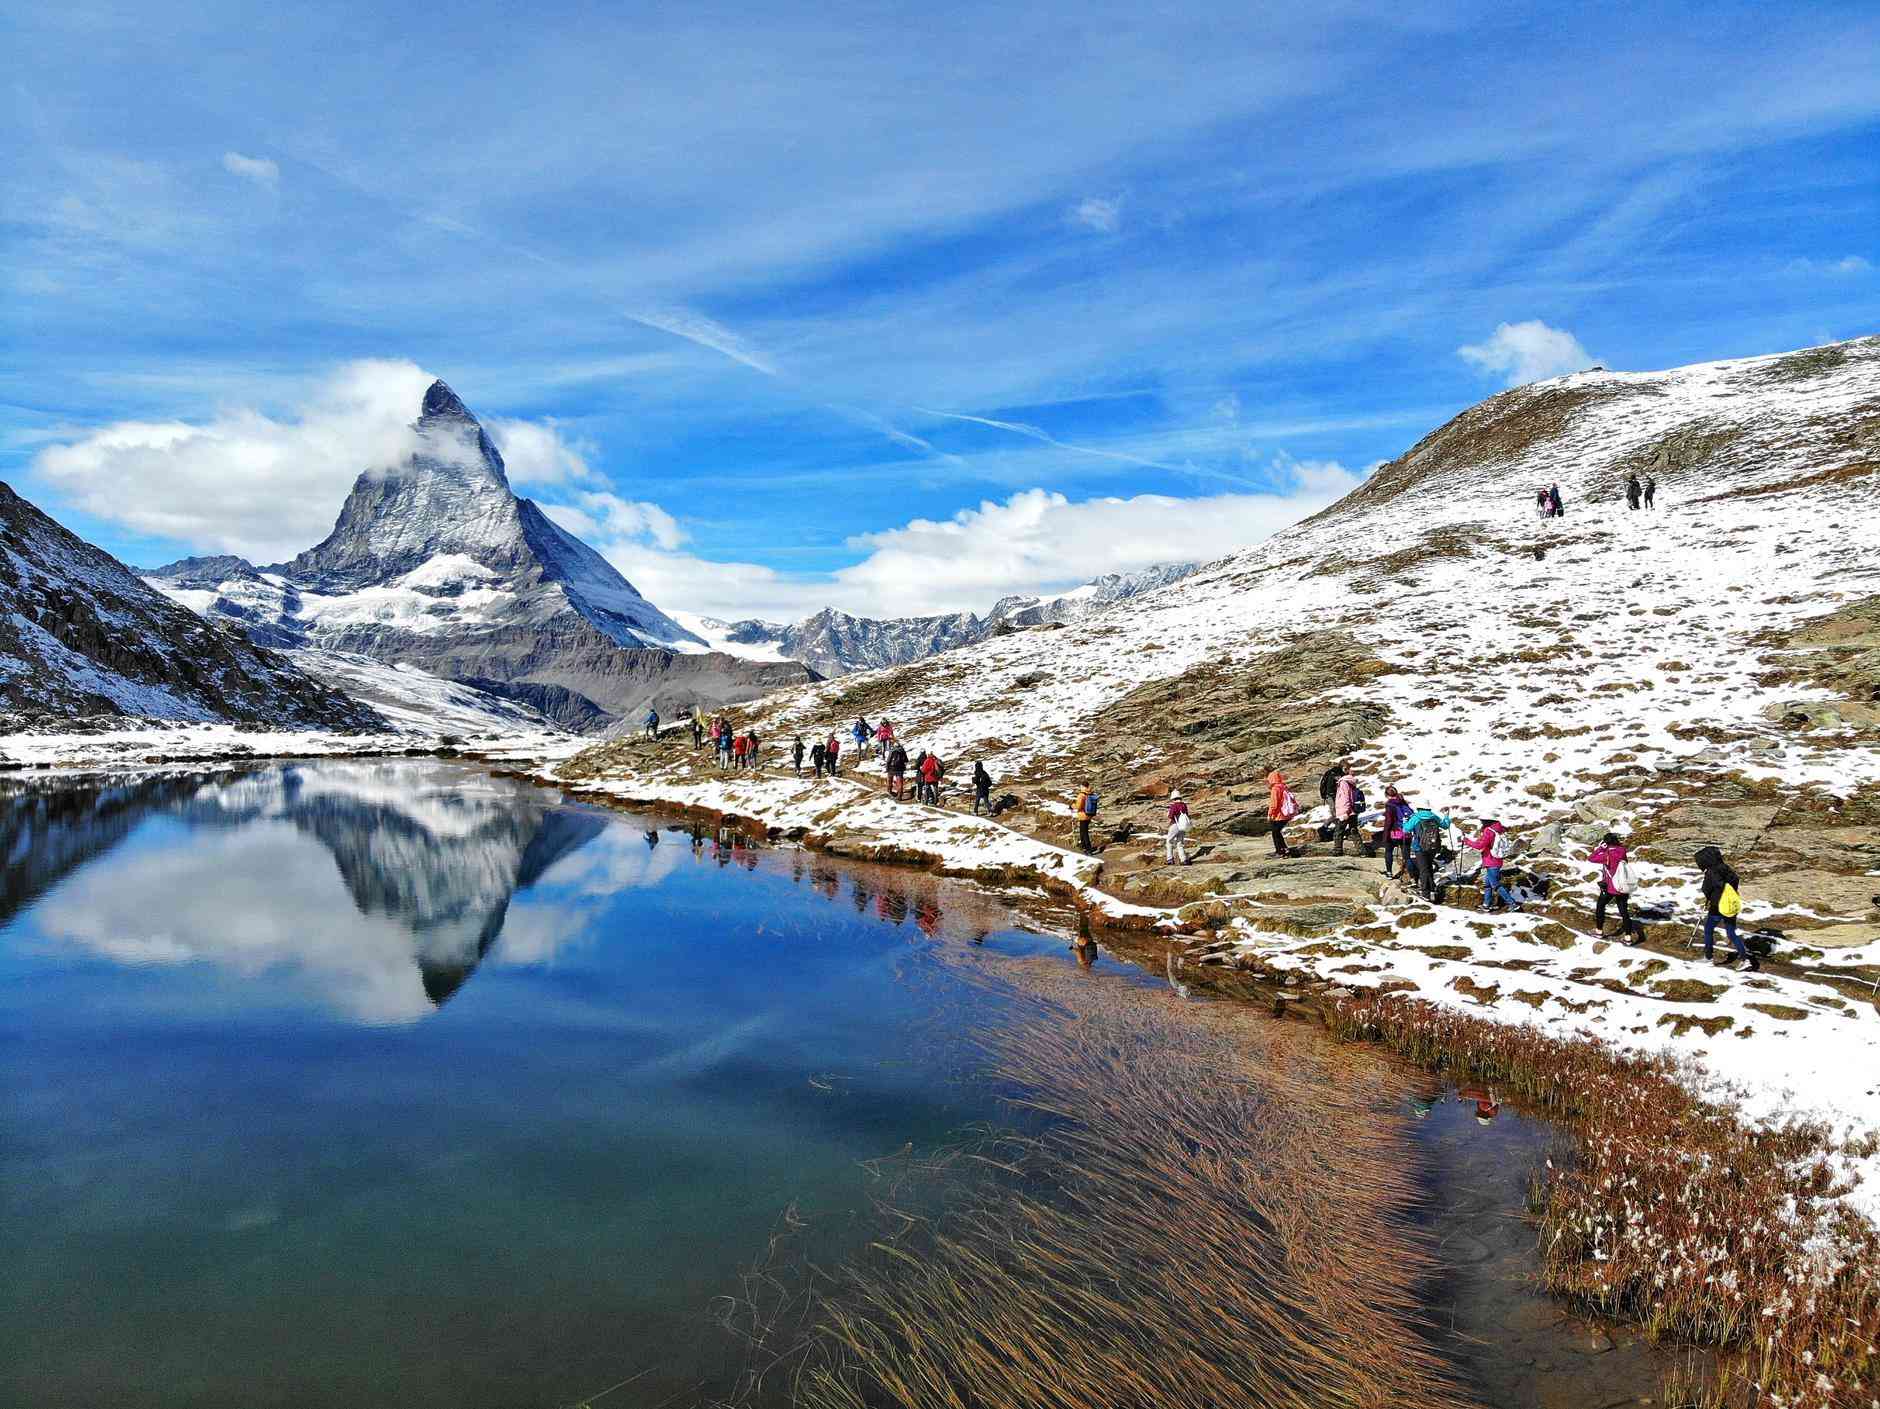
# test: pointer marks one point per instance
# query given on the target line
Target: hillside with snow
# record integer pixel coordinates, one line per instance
(1706, 671)
(81, 634)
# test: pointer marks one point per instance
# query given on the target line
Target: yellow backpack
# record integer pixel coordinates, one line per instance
(1729, 904)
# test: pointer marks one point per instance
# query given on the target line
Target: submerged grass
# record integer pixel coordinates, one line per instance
(1194, 1219)
(1672, 1213)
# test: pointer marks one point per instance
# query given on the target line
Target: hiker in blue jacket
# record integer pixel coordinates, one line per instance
(652, 724)
(1424, 831)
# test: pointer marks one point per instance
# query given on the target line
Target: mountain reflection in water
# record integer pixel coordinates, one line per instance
(378, 886)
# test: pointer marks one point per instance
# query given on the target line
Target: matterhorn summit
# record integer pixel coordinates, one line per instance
(436, 563)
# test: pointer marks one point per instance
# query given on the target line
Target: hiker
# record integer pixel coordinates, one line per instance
(1543, 503)
(982, 787)
(1651, 489)
(930, 772)
(819, 758)
(832, 754)
(861, 733)
(698, 731)
(740, 750)
(1494, 844)
(897, 772)
(796, 755)
(1423, 831)
(1086, 809)
(1281, 808)
(1328, 780)
(1615, 884)
(884, 737)
(652, 724)
(1396, 810)
(1723, 900)
(750, 752)
(1556, 508)
(1346, 803)
(1175, 844)
(1634, 491)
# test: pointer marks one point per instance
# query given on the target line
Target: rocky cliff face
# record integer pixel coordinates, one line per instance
(80, 633)
(438, 564)
(834, 643)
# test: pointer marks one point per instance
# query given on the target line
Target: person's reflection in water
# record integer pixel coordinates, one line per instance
(891, 905)
(698, 841)
(1085, 945)
(927, 916)
(1486, 1106)
(652, 838)
(861, 895)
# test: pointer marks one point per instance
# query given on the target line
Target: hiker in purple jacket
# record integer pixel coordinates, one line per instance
(1396, 808)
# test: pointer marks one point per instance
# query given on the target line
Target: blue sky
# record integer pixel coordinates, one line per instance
(892, 306)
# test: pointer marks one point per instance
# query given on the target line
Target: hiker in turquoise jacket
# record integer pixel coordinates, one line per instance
(1423, 858)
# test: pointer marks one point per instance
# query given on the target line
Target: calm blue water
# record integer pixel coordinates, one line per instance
(356, 1084)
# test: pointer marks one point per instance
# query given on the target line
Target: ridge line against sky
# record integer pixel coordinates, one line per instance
(892, 310)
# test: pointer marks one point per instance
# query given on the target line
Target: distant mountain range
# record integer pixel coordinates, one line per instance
(834, 643)
(438, 564)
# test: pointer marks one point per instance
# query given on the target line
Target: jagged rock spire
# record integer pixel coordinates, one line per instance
(440, 400)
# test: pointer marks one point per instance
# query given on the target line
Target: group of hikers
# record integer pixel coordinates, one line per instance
(1415, 839)
(1638, 494)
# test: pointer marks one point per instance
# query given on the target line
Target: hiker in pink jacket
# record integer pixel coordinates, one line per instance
(1346, 800)
(1489, 843)
(1609, 856)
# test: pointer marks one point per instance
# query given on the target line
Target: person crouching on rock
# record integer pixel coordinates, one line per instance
(982, 787)
(1281, 808)
(1175, 844)
(1723, 900)
(1493, 844)
(1346, 800)
(1086, 809)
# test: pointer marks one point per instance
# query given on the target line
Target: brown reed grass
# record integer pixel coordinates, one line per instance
(1203, 1211)
(1673, 1213)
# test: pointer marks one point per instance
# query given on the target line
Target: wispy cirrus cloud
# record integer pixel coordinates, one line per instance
(260, 170)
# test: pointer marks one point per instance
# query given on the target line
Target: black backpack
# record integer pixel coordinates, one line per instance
(1429, 835)
(1328, 784)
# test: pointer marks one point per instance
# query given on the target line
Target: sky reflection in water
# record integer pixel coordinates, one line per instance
(363, 1083)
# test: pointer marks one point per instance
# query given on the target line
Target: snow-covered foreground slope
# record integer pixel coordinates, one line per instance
(1703, 671)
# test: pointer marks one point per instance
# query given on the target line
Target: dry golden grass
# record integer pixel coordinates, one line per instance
(1192, 1218)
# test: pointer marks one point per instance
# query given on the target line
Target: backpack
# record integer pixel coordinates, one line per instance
(1288, 805)
(1624, 879)
(1429, 835)
(1730, 903)
(1088, 805)
(1503, 846)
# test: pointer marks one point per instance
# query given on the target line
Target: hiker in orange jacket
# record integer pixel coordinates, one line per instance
(1280, 810)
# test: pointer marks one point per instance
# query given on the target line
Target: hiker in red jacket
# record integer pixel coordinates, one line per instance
(832, 754)
(930, 772)
(1281, 808)
(1175, 842)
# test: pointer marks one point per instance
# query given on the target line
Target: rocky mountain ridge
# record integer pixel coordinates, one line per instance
(833, 642)
(80, 633)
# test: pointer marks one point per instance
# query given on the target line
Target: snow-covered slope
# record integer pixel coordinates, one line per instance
(438, 564)
(81, 634)
(1704, 671)
(835, 643)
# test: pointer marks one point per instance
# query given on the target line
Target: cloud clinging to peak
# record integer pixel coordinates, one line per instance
(1527, 352)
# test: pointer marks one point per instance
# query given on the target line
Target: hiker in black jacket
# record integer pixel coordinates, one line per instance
(1634, 491)
(1717, 878)
(982, 787)
(796, 754)
(897, 772)
(1328, 780)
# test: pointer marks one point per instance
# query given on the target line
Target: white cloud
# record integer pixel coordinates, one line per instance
(536, 452)
(1035, 541)
(1103, 214)
(1848, 264)
(1527, 352)
(259, 170)
(600, 517)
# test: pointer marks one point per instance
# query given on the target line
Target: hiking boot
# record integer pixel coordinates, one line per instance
(1728, 962)
(1755, 964)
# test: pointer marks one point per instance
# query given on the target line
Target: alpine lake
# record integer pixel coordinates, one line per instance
(360, 1083)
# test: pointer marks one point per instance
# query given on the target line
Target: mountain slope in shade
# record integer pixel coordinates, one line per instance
(440, 565)
(835, 643)
(80, 633)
